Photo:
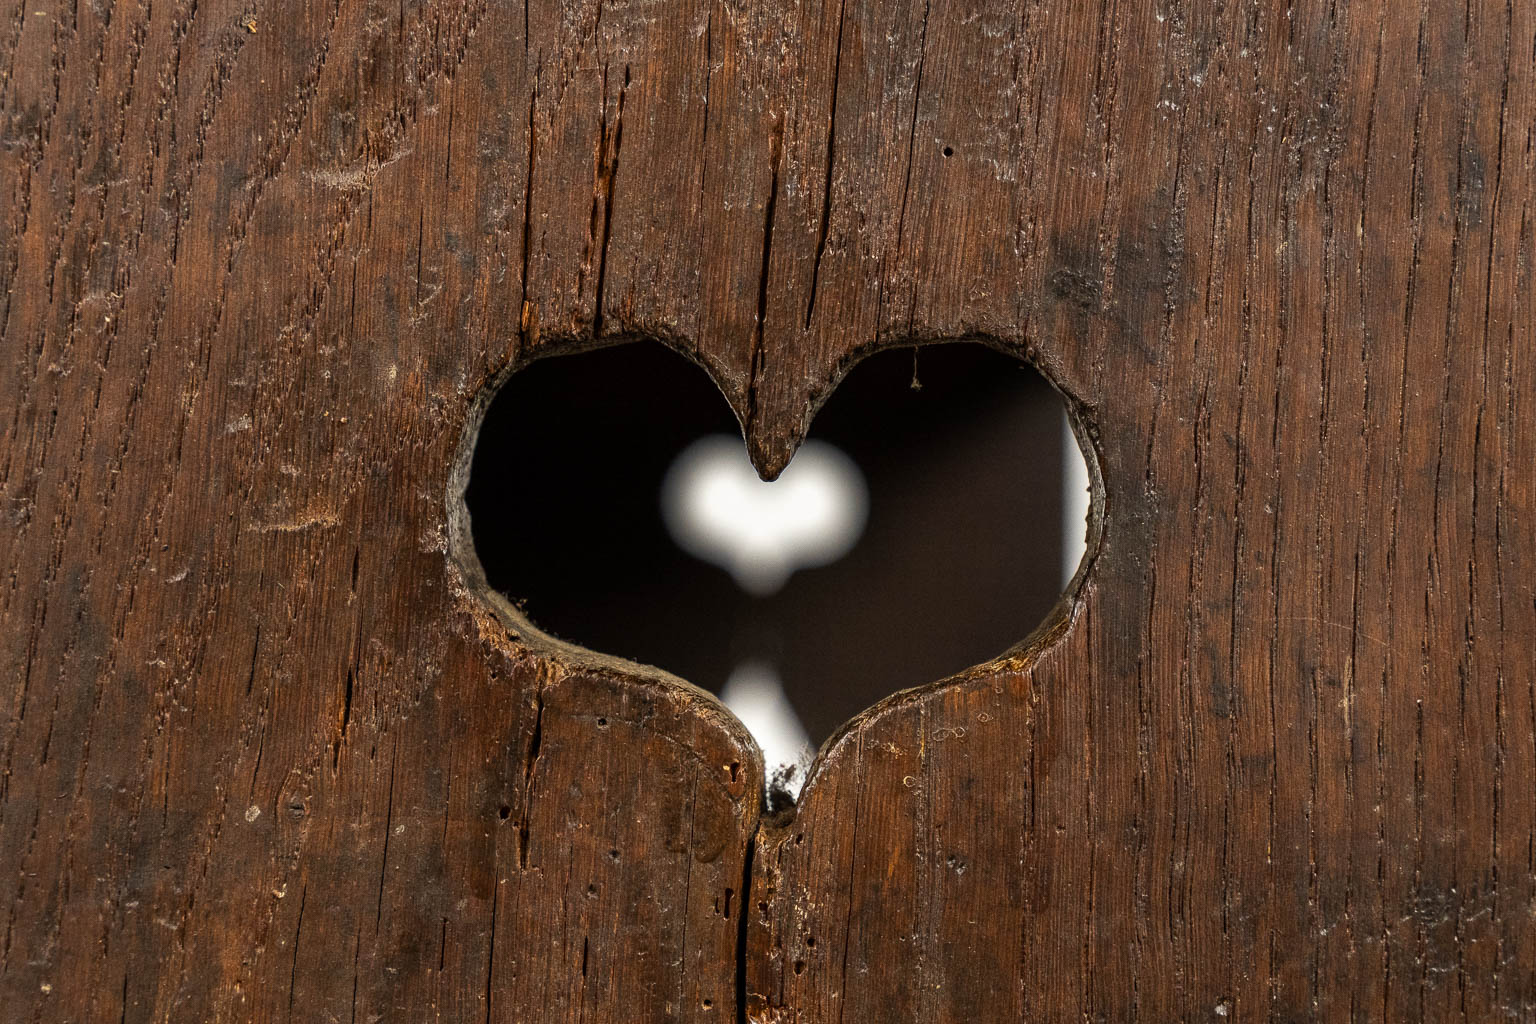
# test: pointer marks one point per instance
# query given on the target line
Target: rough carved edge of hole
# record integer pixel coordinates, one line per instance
(526, 639)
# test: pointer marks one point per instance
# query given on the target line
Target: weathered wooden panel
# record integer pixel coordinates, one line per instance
(268, 751)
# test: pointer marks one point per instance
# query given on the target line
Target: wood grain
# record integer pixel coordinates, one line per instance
(270, 751)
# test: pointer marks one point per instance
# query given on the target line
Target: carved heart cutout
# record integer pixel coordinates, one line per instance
(612, 501)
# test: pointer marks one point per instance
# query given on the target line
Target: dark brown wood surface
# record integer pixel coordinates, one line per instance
(269, 752)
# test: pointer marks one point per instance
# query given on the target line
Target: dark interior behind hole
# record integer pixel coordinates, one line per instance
(960, 558)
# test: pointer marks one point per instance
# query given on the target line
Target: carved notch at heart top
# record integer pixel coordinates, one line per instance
(918, 531)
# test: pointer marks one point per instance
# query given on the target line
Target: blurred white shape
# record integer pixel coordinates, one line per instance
(756, 695)
(719, 510)
(1076, 498)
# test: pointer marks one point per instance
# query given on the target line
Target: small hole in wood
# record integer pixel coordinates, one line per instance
(505, 812)
(949, 151)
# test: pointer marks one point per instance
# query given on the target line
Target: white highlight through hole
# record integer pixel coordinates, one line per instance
(719, 510)
(1076, 501)
(755, 694)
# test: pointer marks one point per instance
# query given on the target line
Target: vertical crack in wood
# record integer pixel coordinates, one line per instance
(1500, 740)
(743, 909)
(528, 322)
(389, 818)
(293, 969)
(529, 764)
(776, 157)
(357, 951)
(250, 676)
(608, 170)
(826, 189)
(490, 956)
(906, 186)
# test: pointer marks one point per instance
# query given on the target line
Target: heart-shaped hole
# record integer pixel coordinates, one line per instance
(928, 523)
